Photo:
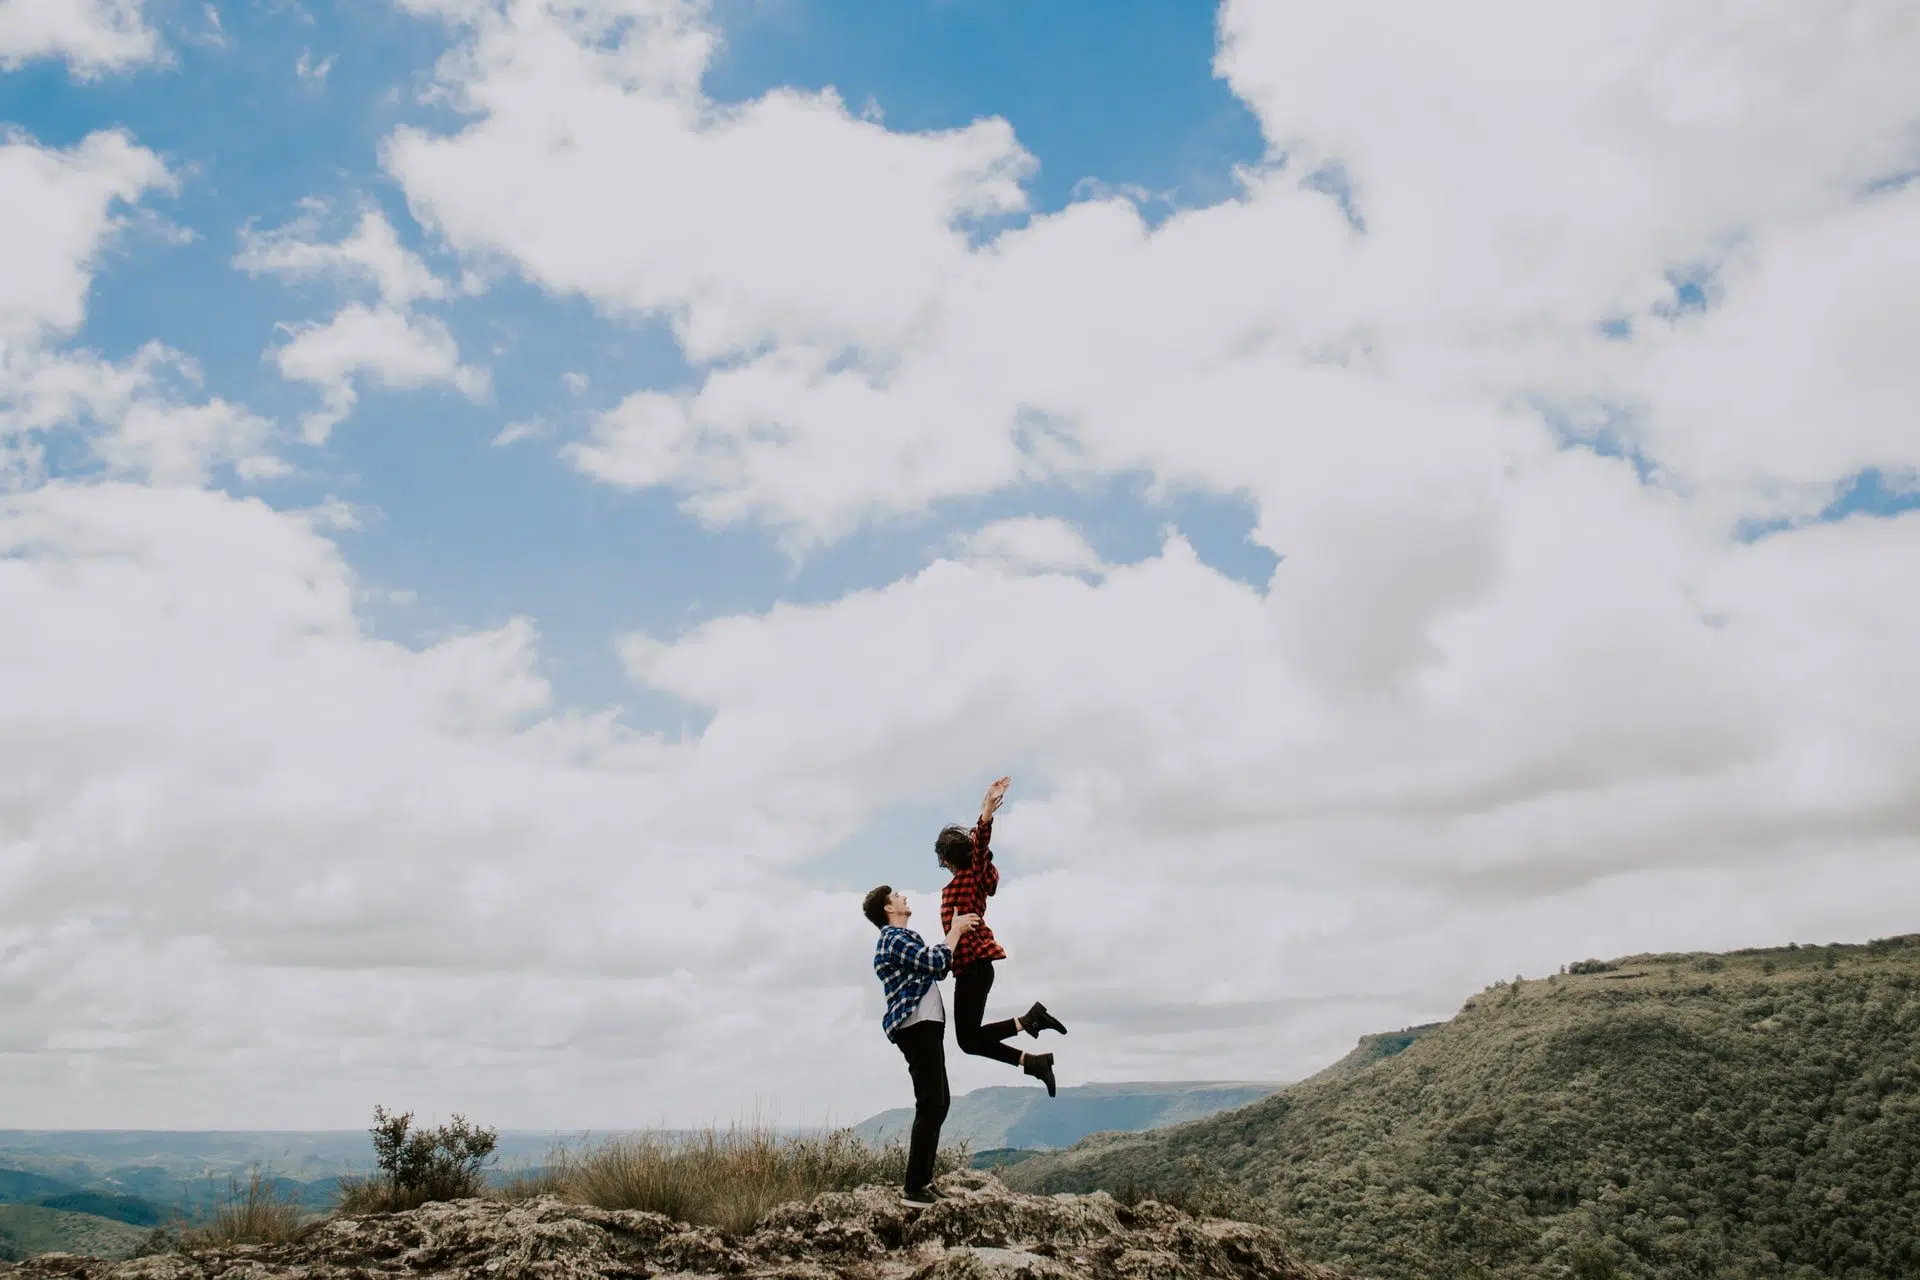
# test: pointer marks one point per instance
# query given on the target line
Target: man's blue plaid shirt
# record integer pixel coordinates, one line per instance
(907, 967)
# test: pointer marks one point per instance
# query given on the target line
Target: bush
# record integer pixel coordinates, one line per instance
(1592, 966)
(1593, 1262)
(258, 1212)
(729, 1180)
(418, 1166)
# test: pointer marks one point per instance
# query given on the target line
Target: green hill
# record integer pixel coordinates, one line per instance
(105, 1204)
(28, 1229)
(21, 1186)
(1748, 1115)
(1001, 1117)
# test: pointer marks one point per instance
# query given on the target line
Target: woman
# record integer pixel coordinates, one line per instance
(969, 856)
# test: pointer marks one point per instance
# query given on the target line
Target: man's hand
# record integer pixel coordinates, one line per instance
(959, 927)
(995, 794)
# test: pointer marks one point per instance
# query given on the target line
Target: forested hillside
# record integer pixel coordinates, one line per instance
(1747, 1115)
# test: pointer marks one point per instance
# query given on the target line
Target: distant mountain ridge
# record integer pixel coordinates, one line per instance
(1747, 1116)
(1002, 1116)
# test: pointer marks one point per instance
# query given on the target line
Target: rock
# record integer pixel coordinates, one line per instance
(980, 1231)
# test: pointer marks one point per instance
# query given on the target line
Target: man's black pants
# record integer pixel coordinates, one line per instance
(923, 1044)
(970, 987)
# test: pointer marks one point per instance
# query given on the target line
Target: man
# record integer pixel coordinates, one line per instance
(968, 856)
(916, 1021)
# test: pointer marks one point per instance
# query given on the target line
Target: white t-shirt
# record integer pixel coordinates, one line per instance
(932, 1008)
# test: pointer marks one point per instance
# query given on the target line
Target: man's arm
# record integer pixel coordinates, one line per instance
(908, 950)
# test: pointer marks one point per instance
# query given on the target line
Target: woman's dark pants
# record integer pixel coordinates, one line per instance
(925, 1051)
(970, 987)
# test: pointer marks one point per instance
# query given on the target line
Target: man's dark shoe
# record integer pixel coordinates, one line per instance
(920, 1198)
(1040, 1067)
(1037, 1019)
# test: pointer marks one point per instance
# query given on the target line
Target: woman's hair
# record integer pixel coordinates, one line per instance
(874, 905)
(954, 845)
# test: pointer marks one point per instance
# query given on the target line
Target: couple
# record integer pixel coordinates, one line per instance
(910, 970)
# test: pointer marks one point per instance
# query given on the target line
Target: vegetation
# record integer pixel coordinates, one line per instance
(1747, 1115)
(29, 1229)
(105, 1204)
(419, 1165)
(727, 1180)
(256, 1211)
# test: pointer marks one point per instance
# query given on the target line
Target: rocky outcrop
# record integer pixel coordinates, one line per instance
(981, 1231)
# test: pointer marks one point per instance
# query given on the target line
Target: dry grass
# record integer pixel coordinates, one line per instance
(529, 1184)
(379, 1194)
(256, 1212)
(726, 1179)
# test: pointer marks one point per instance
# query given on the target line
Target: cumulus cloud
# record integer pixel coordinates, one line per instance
(1498, 240)
(371, 254)
(378, 841)
(1031, 543)
(138, 416)
(388, 343)
(93, 36)
(393, 348)
(64, 209)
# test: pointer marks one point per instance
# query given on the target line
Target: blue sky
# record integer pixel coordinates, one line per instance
(1536, 422)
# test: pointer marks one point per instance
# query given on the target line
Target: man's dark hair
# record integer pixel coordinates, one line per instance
(954, 845)
(874, 905)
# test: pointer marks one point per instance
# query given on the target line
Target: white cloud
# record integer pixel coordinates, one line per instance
(257, 770)
(1031, 543)
(514, 432)
(135, 415)
(1804, 375)
(60, 214)
(64, 209)
(372, 255)
(388, 342)
(866, 225)
(390, 346)
(93, 36)
(309, 70)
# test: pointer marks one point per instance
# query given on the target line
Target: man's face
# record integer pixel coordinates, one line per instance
(897, 904)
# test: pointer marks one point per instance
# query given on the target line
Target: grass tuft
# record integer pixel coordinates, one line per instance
(727, 1179)
(255, 1212)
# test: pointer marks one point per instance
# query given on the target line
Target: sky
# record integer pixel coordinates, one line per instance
(515, 513)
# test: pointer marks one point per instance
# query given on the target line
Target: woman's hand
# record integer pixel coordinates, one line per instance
(995, 794)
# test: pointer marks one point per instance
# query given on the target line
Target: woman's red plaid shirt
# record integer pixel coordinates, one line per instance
(968, 891)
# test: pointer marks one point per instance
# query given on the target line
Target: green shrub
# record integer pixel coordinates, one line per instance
(420, 1165)
(1592, 1262)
